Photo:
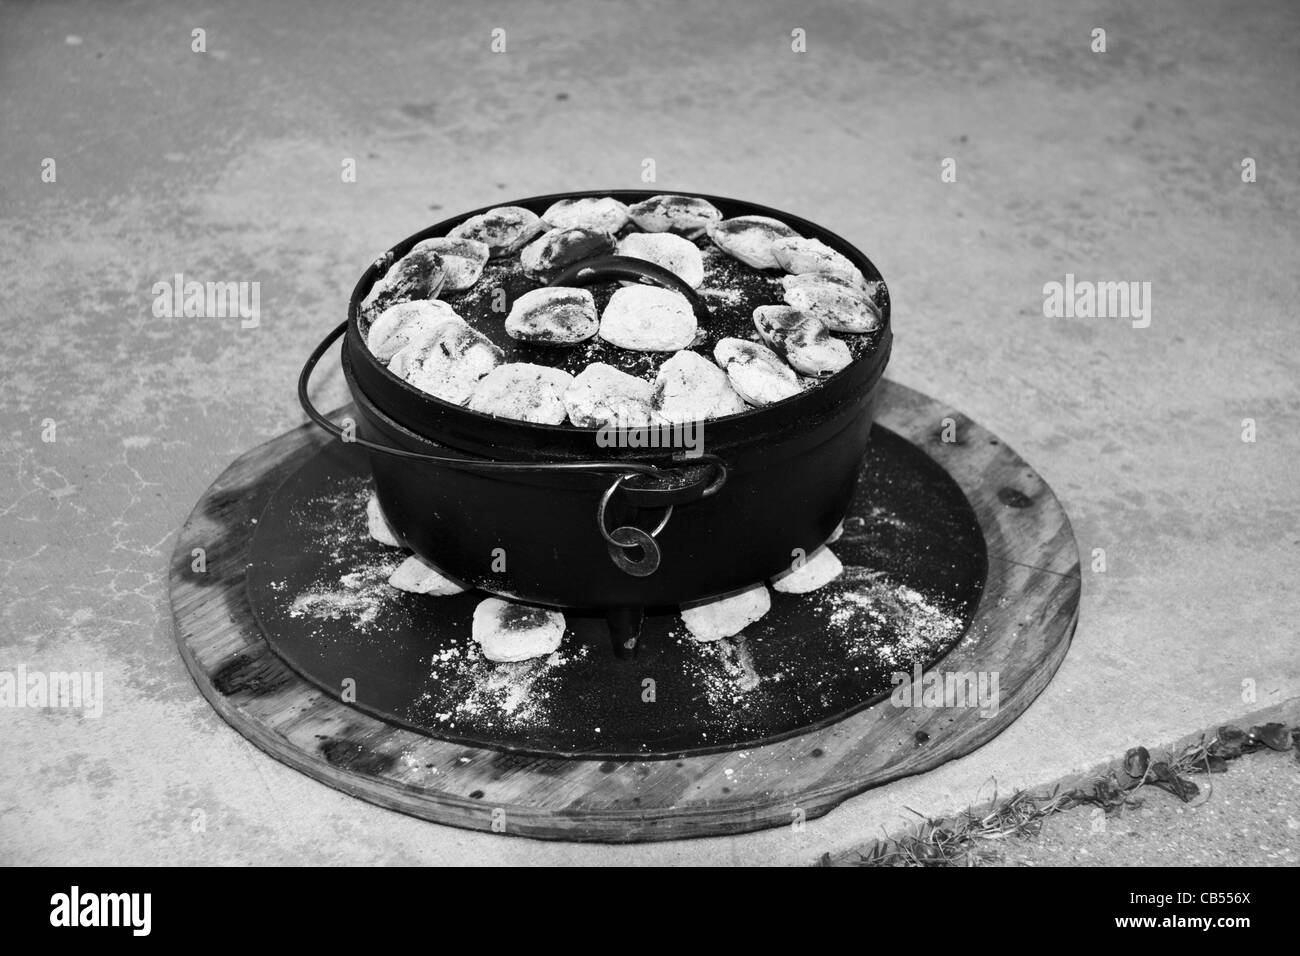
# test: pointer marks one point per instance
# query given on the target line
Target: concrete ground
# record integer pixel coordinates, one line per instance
(225, 166)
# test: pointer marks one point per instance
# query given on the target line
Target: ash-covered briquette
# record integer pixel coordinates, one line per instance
(645, 318)
(377, 524)
(727, 616)
(834, 301)
(462, 260)
(690, 388)
(677, 254)
(420, 274)
(687, 216)
(553, 316)
(527, 393)
(758, 374)
(601, 396)
(811, 573)
(509, 633)
(503, 230)
(603, 214)
(802, 340)
(751, 239)
(418, 576)
(399, 325)
(797, 255)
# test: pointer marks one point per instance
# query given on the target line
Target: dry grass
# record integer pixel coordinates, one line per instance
(971, 837)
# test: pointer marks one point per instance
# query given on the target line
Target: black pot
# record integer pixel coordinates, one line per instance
(512, 507)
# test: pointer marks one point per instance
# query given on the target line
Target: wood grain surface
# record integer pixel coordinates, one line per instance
(1021, 631)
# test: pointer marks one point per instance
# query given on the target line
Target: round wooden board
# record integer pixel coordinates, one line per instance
(1021, 630)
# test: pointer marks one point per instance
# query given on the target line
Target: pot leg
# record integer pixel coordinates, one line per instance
(625, 629)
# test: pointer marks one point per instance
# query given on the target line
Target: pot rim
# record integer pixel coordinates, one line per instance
(629, 197)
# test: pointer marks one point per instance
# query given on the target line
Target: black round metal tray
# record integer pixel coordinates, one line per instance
(915, 567)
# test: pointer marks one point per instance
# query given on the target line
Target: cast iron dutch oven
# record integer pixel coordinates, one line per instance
(545, 514)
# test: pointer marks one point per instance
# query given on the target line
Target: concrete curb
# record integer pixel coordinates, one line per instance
(1287, 712)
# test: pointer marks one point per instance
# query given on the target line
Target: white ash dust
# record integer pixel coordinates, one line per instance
(346, 529)
(358, 596)
(889, 624)
(514, 695)
(727, 296)
(724, 671)
(733, 676)
(361, 594)
(878, 516)
(596, 349)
